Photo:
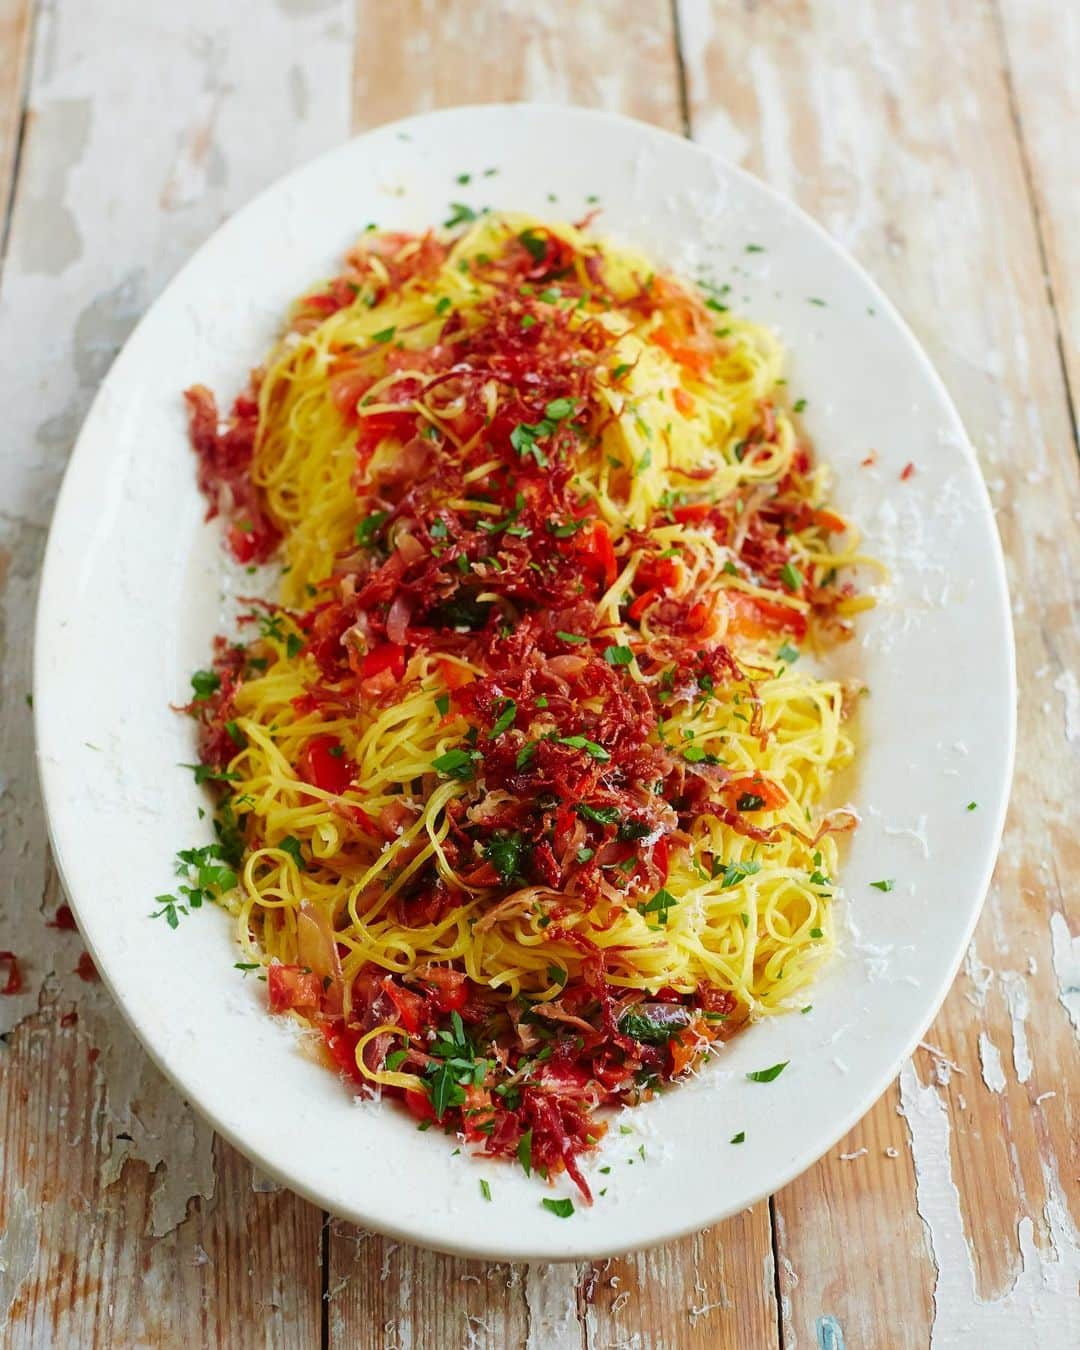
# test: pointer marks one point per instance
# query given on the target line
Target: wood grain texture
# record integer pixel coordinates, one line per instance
(85, 1262)
(1041, 51)
(896, 127)
(416, 55)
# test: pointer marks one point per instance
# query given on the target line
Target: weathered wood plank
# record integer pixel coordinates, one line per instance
(894, 126)
(86, 1262)
(718, 1289)
(422, 54)
(122, 1222)
(1041, 48)
(718, 1286)
(15, 22)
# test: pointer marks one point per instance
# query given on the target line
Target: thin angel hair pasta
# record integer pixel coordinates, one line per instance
(523, 780)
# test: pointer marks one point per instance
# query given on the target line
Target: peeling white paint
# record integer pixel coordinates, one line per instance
(1041, 1307)
(551, 1301)
(18, 1249)
(1066, 958)
(1019, 1005)
(1069, 690)
(993, 1075)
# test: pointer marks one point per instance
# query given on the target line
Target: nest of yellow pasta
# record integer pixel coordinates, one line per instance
(520, 784)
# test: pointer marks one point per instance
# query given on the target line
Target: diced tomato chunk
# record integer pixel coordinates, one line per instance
(341, 1044)
(683, 401)
(657, 573)
(419, 1105)
(448, 988)
(292, 987)
(830, 521)
(409, 1005)
(692, 512)
(684, 1050)
(642, 603)
(323, 764)
(597, 553)
(391, 656)
(771, 794)
(695, 359)
(755, 617)
(453, 675)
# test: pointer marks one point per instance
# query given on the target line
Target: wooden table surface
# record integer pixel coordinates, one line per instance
(938, 141)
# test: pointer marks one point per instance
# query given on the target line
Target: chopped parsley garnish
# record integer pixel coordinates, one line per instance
(506, 718)
(885, 885)
(583, 743)
(569, 527)
(524, 1151)
(734, 872)
(291, 845)
(205, 683)
(485, 1189)
(659, 905)
(504, 851)
(750, 801)
(600, 815)
(535, 243)
(767, 1075)
(696, 754)
(799, 405)
(369, 529)
(460, 214)
(205, 875)
(791, 576)
(442, 703)
(618, 656)
(633, 829)
(816, 933)
(563, 1208)
(650, 1030)
(455, 763)
(443, 304)
(575, 639)
(557, 975)
(971, 806)
(525, 754)
(788, 654)
(206, 773)
(384, 335)
(525, 435)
